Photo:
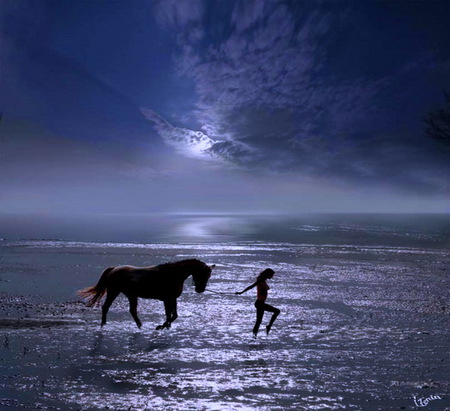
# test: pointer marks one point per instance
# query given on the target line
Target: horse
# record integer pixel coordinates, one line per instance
(161, 282)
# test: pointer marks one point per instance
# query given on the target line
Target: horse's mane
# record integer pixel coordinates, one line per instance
(179, 263)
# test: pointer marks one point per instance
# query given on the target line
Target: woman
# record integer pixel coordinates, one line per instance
(260, 304)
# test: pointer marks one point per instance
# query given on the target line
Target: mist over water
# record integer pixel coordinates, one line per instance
(371, 229)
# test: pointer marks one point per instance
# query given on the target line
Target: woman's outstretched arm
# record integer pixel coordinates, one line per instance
(248, 288)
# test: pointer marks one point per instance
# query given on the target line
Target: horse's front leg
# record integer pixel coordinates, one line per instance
(169, 307)
(174, 311)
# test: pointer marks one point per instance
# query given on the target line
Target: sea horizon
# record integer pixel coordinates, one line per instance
(376, 229)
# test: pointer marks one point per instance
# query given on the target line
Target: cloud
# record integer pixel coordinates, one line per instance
(178, 14)
(190, 143)
(272, 95)
(195, 143)
(271, 65)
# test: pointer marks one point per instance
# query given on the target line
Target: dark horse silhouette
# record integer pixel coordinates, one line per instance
(162, 282)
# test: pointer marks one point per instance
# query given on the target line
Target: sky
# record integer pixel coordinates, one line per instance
(221, 106)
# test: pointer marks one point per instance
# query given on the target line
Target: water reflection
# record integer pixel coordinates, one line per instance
(213, 228)
(354, 328)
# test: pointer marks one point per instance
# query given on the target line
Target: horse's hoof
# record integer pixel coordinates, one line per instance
(159, 327)
(139, 325)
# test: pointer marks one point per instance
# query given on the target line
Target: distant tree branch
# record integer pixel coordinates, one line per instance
(438, 121)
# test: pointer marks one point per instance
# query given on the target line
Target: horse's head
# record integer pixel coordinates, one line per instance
(201, 277)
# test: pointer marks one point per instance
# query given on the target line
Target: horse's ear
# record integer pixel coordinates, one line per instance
(212, 266)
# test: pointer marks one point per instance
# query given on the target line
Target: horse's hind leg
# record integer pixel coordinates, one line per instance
(133, 309)
(171, 313)
(110, 297)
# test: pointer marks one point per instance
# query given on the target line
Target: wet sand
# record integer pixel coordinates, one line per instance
(360, 328)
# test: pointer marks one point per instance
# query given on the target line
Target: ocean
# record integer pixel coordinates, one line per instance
(364, 320)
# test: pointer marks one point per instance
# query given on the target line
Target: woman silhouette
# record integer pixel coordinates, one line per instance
(260, 304)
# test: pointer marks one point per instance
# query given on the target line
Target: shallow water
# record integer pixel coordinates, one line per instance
(362, 326)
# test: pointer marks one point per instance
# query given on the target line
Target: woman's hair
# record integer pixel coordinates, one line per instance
(264, 275)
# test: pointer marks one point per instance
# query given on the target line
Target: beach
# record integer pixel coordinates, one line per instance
(363, 325)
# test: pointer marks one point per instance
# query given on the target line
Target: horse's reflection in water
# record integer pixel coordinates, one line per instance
(98, 346)
(162, 282)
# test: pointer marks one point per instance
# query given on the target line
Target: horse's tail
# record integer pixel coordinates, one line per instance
(94, 294)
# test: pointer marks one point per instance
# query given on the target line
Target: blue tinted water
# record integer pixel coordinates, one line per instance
(364, 317)
(351, 229)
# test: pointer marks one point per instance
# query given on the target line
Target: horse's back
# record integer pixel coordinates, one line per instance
(131, 273)
(132, 268)
(141, 281)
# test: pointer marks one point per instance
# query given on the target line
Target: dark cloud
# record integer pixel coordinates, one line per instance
(276, 83)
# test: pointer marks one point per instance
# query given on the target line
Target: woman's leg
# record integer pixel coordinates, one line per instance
(259, 317)
(275, 314)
